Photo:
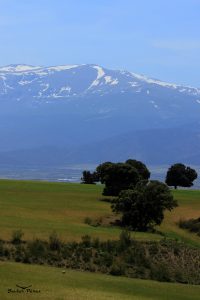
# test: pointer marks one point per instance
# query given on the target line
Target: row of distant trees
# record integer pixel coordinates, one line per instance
(119, 176)
(141, 202)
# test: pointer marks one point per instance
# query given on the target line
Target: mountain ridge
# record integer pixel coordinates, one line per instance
(23, 76)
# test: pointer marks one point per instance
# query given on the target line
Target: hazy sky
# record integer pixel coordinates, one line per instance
(159, 38)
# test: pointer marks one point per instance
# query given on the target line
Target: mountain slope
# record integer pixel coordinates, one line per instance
(85, 106)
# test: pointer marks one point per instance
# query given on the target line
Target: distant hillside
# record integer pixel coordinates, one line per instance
(154, 146)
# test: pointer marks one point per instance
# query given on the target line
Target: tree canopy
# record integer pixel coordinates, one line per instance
(117, 177)
(180, 175)
(88, 177)
(140, 167)
(144, 206)
(121, 176)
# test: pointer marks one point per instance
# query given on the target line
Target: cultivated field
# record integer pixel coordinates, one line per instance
(38, 208)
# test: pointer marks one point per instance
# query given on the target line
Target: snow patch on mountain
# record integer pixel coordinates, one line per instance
(110, 80)
(100, 74)
(45, 86)
(133, 84)
(25, 82)
(18, 68)
(65, 89)
(62, 68)
(154, 81)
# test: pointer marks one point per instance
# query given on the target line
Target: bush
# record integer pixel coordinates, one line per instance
(1, 248)
(37, 248)
(124, 240)
(161, 272)
(54, 241)
(88, 220)
(117, 269)
(192, 225)
(95, 243)
(86, 240)
(94, 223)
(17, 237)
(165, 260)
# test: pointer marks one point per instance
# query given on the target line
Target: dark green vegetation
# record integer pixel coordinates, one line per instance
(163, 261)
(193, 225)
(74, 285)
(143, 207)
(88, 177)
(117, 176)
(140, 202)
(180, 175)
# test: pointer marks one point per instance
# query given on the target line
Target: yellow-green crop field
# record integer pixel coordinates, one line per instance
(38, 208)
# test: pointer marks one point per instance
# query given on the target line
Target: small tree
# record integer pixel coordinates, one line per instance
(88, 177)
(17, 236)
(180, 175)
(117, 177)
(144, 207)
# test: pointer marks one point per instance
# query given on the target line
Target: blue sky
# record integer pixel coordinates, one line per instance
(158, 38)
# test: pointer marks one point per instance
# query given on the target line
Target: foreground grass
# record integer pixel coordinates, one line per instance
(38, 208)
(73, 285)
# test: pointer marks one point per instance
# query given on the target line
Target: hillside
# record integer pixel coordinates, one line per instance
(38, 208)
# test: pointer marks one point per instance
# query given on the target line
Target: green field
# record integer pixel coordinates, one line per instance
(38, 208)
(74, 285)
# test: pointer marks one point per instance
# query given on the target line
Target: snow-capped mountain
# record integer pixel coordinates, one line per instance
(75, 105)
(62, 82)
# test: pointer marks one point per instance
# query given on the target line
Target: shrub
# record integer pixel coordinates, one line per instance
(117, 269)
(124, 240)
(54, 241)
(37, 248)
(17, 237)
(86, 240)
(192, 225)
(161, 272)
(94, 223)
(88, 220)
(96, 243)
(1, 248)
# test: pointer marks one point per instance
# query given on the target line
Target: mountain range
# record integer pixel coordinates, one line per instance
(88, 114)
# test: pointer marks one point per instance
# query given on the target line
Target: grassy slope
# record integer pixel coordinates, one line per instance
(38, 208)
(73, 285)
(189, 207)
